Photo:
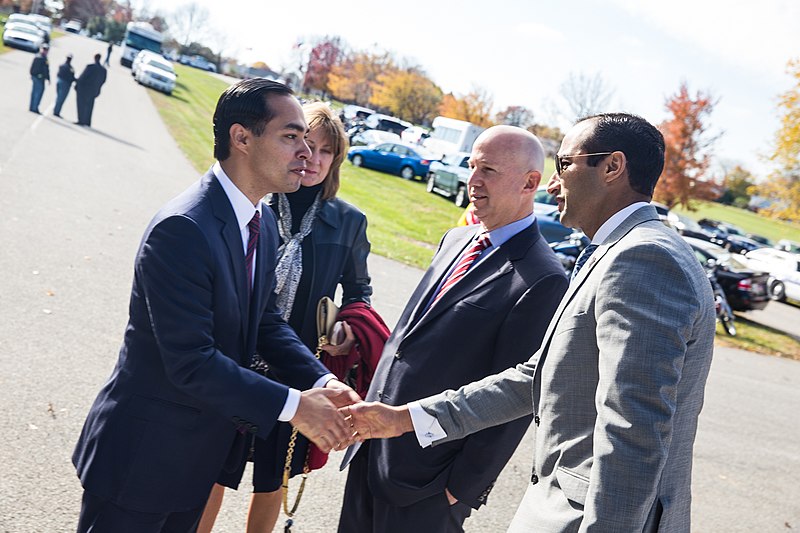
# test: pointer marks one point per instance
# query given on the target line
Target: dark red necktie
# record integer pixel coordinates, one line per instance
(464, 263)
(252, 241)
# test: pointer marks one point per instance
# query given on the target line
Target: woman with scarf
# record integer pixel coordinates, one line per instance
(324, 244)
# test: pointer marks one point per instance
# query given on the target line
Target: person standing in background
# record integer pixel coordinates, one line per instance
(65, 77)
(40, 72)
(108, 53)
(88, 88)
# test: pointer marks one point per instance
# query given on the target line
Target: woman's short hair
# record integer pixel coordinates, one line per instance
(320, 116)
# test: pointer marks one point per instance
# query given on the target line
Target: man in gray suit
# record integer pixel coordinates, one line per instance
(617, 385)
(482, 306)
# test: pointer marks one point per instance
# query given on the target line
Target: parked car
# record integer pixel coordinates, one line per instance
(744, 287)
(784, 270)
(688, 227)
(739, 244)
(449, 177)
(760, 239)
(138, 59)
(377, 121)
(368, 137)
(788, 246)
(73, 26)
(23, 35)
(155, 71)
(396, 158)
(544, 203)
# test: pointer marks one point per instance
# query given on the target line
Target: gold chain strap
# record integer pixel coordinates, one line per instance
(287, 467)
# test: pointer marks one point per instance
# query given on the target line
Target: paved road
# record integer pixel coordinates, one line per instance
(73, 204)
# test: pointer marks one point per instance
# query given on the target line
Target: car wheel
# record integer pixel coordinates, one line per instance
(431, 183)
(461, 199)
(358, 161)
(777, 291)
(407, 173)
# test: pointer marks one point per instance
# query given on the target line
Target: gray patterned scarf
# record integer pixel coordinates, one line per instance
(290, 253)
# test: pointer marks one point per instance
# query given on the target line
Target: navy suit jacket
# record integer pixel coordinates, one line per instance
(492, 319)
(181, 394)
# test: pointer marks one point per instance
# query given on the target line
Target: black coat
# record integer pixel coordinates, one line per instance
(66, 73)
(91, 80)
(40, 68)
(339, 249)
(492, 319)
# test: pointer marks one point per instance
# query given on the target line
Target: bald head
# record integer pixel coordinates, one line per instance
(507, 164)
(520, 146)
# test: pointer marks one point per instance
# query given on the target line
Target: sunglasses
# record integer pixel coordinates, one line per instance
(560, 166)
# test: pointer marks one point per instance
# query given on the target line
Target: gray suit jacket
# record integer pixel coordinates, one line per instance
(615, 389)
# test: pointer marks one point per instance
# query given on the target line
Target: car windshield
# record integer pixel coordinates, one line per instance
(688, 223)
(162, 66)
(25, 28)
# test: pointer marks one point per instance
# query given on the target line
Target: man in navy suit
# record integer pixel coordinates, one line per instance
(181, 404)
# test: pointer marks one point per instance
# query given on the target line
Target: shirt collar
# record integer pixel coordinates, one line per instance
(614, 221)
(502, 234)
(242, 207)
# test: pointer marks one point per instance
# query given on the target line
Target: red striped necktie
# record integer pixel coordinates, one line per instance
(464, 263)
(252, 241)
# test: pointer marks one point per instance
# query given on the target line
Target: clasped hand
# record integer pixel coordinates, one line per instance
(375, 420)
(318, 418)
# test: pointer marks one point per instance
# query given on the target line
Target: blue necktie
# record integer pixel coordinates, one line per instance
(585, 255)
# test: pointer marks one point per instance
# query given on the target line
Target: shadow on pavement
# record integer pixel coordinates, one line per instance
(106, 135)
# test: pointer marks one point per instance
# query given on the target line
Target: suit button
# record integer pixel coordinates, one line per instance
(534, 479)
(380, 394)
(398, 355)
(253, 429)
(536, 419)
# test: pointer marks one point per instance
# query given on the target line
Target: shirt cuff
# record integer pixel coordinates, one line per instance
(321, 382)
(290, 406)
(426, 427)
(293, 399)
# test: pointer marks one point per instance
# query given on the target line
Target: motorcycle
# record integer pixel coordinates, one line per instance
(724, 311)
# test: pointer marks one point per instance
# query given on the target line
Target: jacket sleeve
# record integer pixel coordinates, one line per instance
(484, 454)
(355, 278)
(645, 311)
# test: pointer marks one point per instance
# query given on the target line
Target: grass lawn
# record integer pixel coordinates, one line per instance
(755, 337)
(747, 220)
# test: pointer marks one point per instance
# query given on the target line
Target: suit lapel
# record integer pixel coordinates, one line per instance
(232, 236)
(637, 217)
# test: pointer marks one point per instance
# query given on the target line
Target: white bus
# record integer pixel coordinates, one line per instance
(139, 36)
(450, 135)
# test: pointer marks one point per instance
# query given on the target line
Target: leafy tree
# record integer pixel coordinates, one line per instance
(354, 78)
(584, 95)
(85, 10)
(408, 94)
(687, 150)
(475, 107)
(515, 115)
(736, 184)
(326, 53)
(189, 23)
(782, 187)
(115, 31)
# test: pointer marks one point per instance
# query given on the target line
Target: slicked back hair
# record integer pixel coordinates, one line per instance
(245, 103)
(319, 116)
(640, 141)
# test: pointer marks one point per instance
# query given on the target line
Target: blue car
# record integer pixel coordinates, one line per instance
(395, 158)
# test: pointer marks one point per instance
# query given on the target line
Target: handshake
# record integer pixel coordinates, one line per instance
(334, 417)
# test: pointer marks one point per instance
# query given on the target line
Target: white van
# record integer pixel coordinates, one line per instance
(450, 135)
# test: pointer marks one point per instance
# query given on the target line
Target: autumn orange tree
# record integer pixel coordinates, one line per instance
(407, 94)
(353, 79)
(687, 150)
(475, 107)
(782, 187)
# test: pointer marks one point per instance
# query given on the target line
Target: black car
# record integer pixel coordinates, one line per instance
(690, 228)
(741, 245)
(744, 288)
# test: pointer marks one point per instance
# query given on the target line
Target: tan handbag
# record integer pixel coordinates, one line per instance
(327, 311)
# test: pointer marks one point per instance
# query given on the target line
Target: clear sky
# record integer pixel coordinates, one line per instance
(522, 50)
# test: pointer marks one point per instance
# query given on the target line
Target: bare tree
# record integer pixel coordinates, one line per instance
(188, 23)
(585, 95)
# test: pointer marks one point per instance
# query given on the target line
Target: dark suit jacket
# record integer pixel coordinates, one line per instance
(492, 319)
(163, 425)
(91, 80)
